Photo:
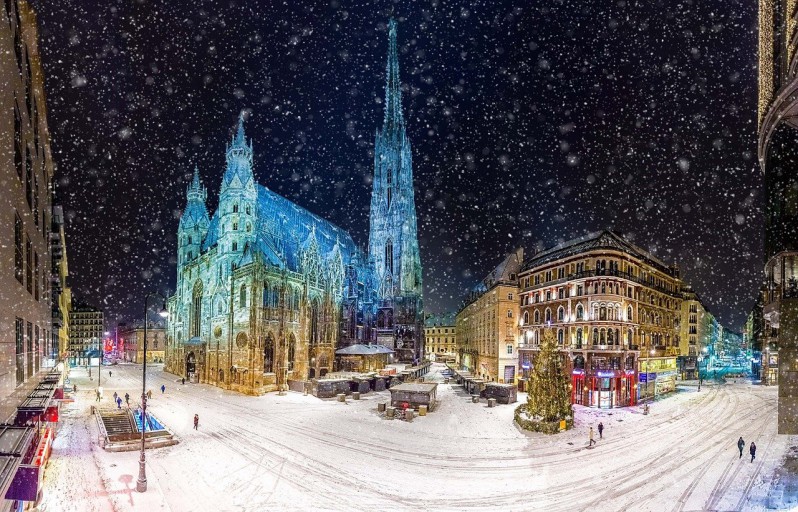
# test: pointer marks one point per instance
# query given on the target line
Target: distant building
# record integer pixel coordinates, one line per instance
(132, 339)
(615, 309)
(440, 338)
(487, 324)
(695, 338)
(85, 335)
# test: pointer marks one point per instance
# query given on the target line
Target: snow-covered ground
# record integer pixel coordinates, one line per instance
(297, 452)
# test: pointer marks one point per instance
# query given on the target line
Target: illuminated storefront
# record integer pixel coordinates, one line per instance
(657, 376)
(604, 389)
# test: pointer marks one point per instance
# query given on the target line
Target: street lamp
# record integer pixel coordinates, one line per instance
(141, 483)
(648, 375)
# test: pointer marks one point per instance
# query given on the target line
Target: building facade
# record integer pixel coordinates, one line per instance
(610, 304)
(695, 337)
(487, 324)
(440, 338)
(132, 339)
(86, 324)
(26, 171)
(267, 291)
(61, 292)
(778, 158)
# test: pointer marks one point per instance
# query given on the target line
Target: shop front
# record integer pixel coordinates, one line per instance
(656, 376)
(604, 389)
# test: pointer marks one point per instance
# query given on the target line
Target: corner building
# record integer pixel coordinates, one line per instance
(268, 291)
(609, 302)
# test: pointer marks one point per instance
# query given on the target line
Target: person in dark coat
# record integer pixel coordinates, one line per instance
(740, 446)
(601, 430)
(127, 398)
(163, 388)
(109, 374)
(196, 421)
(119, 402)
(752, 450)
(183, 381)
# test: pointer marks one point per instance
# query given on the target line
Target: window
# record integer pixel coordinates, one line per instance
(235, 226)
(509, 296)
(29, 263)
(548, 315)
(18, 157)
(248, 210)
(29, 179)
(509, 350)
(30, 348)
(548, 295)
(35, 200)
(242, 298)
(249, 227)
(235, 246)
(560, 336)
(20, 350)
(560, 314)
(235, 208)
(389, 256)
(526, 317)
(196, 310)
(36, 276)
(580, 312)
(18, 251)
(35, 353)
(509, 313)
(537, 316)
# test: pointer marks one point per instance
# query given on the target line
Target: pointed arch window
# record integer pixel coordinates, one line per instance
(291, 352)
(196, 310)
(242, 297)
(248, 210)
(580, 312)
(389, 256)
(389, 189)
(537, 316)
(268, 354)
(235, 208)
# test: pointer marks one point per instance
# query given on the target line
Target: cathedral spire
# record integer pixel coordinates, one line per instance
(394, 121)
(239, 139)
(195, 191)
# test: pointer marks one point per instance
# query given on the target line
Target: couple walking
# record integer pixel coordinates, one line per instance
(751, 450)
(601, 434)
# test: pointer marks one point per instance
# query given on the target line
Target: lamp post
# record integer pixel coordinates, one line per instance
(141, 483)
(648, 375)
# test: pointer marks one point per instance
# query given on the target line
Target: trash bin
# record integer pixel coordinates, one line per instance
(474, 399)
(409, 413)
(422, 410)
(356, 395)
(381, 407)
(341, 397)
(491, 402)
(390, 412)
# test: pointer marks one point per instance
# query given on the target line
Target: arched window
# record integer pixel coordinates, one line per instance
(580, 312)
(242, 296)
(560, 314)
(267, 295)
(196, 310)
(249, 227)
(235, 208)
(314, 322)
(268, 354)
(560, 336)
(389, 256)
(537, 316)
(509, 313)
(610, 337)
(189, 239)
(603, 313)
(579, 338)
(603, 287)
(526, 317)
(248, 210)
(548, 315)
(595, 336)
(629, 337)
(603, 337)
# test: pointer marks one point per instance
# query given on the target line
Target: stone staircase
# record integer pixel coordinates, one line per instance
(117, 422)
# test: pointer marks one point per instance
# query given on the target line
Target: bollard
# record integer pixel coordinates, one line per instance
(341, 397)
(422, 410)
(381, 407)
(390, 412)
(356, 395)
(491, 402)
(409, 414)
(474, 399)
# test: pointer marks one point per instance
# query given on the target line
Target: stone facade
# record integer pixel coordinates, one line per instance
(132, 339)
(609, 303)
(85, 334)
(487, 324)
(267, 291)
(26, 172)
(440, 338)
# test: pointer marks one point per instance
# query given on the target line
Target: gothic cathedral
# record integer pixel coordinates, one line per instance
(267, 291)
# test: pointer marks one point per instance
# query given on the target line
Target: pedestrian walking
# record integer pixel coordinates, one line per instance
(740, 446)
(183, 381)
(592, 441)
(163, 388)
(752, 450)
(109, 374)
(115, 396)
(74, 388)
(149, 394)
(196, 421)
(98, 395)
(119, 402)
(127, 398)
(601, 430)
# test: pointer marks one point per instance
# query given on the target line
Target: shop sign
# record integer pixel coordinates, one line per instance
(605, 374)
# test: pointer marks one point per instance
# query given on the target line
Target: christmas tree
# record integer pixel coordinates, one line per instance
(549, 397)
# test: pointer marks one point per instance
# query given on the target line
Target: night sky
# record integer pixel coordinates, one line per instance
(530, 122)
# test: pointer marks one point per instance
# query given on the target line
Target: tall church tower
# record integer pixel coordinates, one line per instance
(193, 223)
(393, 239)
(237, 199)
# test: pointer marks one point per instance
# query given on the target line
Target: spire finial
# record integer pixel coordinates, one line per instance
(195, 182)
(394, 120)
(239, 138)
